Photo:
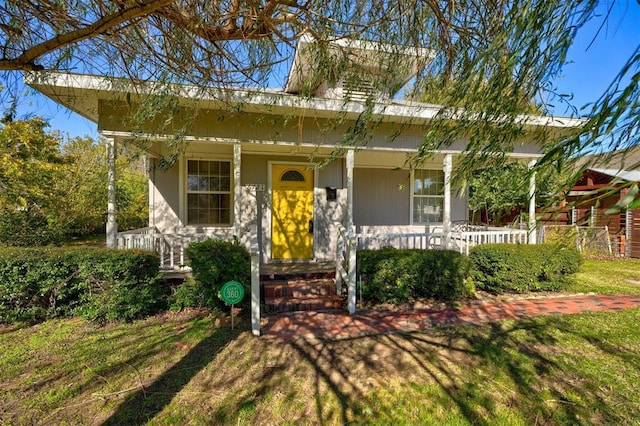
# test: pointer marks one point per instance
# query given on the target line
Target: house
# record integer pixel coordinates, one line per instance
(254, 172)
(599, 199)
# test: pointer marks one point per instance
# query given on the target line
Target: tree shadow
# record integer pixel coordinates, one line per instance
(478, 373)
(516, 358)
(148, 401)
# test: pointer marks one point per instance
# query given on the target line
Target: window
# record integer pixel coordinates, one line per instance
(428, 196)
(292, 176)
(208, 192)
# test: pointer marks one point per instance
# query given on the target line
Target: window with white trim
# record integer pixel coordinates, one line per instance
(428, 196)
(208, 192)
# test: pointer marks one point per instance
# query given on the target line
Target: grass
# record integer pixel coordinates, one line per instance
(607, 277)
(185, 369)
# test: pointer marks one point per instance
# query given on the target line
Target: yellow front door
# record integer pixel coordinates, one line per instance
(291, 212)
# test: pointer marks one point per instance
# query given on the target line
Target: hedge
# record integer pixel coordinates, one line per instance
(102, 285)
(395, 276)
(518, 267)
(213, 263)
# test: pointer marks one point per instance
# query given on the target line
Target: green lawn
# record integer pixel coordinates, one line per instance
(608, 277)
(183, 369)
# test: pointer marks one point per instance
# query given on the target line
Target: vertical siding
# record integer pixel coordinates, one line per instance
(164, 198)
(378, 199)
(459, 206)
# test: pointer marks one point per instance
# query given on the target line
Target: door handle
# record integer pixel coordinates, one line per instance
(311, 226)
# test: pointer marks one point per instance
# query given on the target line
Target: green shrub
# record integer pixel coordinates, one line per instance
(122, 285)
(519, 267)
(213, 263)
(395, 276)
(100, 284)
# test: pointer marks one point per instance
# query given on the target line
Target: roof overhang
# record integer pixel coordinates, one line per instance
(81, 93)
(626, 175)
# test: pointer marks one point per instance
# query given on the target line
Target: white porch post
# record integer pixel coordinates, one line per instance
(532, 204)
(112, 225)
(349, 165)
(255, 281)
(446, 209)
(237, 190)
(351, 273)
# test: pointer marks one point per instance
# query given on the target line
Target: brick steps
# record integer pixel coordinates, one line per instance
(293, 304)
(299, 288)
(300, 293)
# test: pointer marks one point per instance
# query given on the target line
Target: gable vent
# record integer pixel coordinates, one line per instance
(359, 90)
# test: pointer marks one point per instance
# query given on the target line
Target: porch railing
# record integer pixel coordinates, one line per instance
(462, 239)
(169, 247)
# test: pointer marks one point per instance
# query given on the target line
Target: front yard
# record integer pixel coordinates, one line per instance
(186, 369)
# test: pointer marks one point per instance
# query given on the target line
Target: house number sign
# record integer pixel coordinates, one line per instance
(232, 292)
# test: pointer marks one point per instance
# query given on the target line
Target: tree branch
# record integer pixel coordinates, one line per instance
(26, 61)
(254, 22)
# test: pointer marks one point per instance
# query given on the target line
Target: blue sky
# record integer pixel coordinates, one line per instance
(594, 63)
(595, 60)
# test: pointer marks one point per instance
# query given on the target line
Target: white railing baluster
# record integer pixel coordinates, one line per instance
(181, 251)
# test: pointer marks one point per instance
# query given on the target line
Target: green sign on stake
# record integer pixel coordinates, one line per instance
(232, 293)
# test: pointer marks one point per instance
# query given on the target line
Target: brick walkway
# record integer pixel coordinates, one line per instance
(336, 325)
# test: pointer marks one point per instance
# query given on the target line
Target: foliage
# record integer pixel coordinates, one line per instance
(214, 262)
(86, 190)
(102, 285)
(27, 227)
(122, 285)
(501, 189)
(395, 276)
(30, 164)
(51, 189)
(520, 267)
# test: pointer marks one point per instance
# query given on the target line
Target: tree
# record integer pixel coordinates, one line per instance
(85, 189)
(52, 189)
(493, 55)
(30, 163)
(499, 192)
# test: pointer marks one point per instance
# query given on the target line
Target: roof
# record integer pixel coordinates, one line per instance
(81, 93)
(627, 175)
(625, 159)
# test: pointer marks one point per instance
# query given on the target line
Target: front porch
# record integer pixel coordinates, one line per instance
(277, 286)
(171, 247)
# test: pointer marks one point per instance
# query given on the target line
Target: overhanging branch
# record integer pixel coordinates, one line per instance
(27, 60)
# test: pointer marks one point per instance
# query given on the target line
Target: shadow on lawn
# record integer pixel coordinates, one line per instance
(511, 372)
(146, 403)
(495, 372)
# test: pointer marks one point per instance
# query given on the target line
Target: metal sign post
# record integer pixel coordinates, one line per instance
(232, 292)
